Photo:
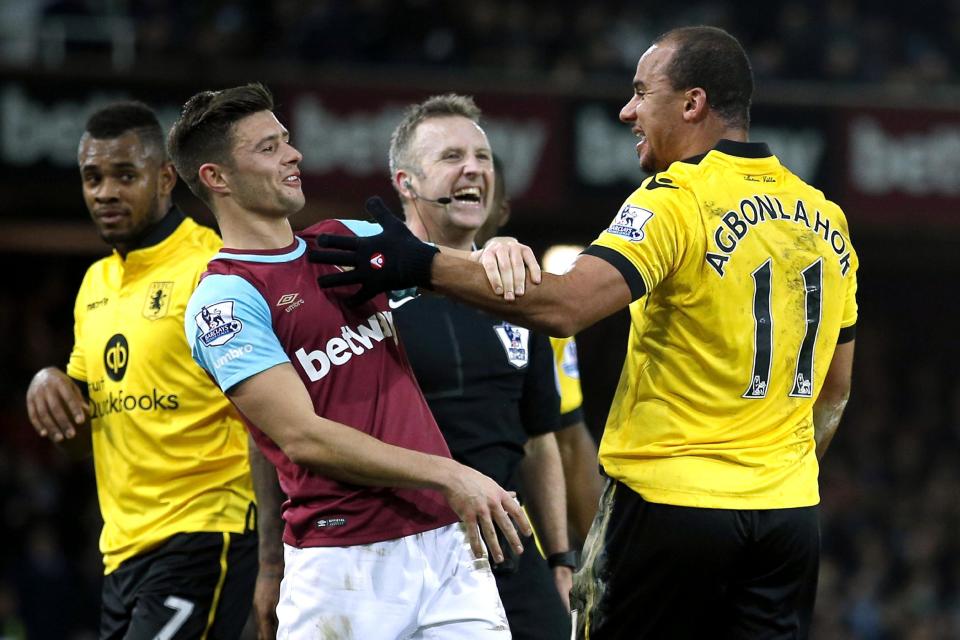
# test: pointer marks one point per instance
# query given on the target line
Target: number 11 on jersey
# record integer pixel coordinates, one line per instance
(763, 331)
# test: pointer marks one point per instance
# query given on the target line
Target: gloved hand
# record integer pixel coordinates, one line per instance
(393, 259)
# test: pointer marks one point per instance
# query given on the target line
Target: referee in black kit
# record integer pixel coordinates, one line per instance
(490, 385)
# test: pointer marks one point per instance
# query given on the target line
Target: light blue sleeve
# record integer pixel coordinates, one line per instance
(230, 331)
(362, 228)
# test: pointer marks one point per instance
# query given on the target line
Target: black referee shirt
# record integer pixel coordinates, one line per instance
(489, 384)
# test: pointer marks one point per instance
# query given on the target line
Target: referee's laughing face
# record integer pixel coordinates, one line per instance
(126, 186)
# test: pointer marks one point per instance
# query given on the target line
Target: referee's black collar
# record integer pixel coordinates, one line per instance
(738, 149)
(161, 230)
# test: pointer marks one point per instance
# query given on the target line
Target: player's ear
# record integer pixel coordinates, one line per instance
(695, 105)
(167, 178)
(213, 178)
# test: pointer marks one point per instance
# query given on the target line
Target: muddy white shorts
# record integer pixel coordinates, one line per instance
(425, 586)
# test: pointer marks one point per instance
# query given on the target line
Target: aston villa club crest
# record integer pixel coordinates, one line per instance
(515, 342)
(217, 324)
(158, 300)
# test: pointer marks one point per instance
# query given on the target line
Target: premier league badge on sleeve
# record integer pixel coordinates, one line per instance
(630, 221)
(217, 324)
(515, 341)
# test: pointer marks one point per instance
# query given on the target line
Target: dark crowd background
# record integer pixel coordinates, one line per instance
(890, 483)
(915, 43)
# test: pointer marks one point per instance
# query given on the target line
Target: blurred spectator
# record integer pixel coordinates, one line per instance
(11, 626)
(842, 40)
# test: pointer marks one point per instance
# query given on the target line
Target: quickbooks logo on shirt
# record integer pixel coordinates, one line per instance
(352, 342)
(119, 402)
(115, 357)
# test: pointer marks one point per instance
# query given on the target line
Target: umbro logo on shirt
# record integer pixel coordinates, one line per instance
(290, 300)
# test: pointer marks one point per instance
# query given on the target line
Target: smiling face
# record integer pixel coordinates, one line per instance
(455, 161)
(126, 186)
(263, 174)
(655, 111)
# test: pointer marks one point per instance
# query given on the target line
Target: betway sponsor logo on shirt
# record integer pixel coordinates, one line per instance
(351, 342)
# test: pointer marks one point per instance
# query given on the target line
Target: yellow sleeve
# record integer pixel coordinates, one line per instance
(77, 364)
(646, 239)
(849, 266)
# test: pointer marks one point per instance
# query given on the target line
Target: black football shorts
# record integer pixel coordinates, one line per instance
(193, 585)
(664, 571)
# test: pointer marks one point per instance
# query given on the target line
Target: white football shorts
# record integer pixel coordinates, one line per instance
(426, 586)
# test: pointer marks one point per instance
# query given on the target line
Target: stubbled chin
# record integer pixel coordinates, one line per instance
(469, 217)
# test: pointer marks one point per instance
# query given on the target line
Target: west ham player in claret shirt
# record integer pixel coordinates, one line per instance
(380, 522)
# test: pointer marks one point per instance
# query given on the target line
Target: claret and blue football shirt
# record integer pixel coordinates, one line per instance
(256, 309)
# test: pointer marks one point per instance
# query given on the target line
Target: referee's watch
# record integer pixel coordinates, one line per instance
(564, 559)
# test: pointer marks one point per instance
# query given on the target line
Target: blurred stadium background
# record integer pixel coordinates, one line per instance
(861, 98)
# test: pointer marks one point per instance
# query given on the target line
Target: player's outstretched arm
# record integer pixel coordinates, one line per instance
(395, 259)
(351, 456)
(58, 410)
(559, 306)
(506, 261)
(829, 406)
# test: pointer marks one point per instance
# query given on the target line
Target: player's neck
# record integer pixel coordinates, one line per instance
(708, 135)
(252, 231)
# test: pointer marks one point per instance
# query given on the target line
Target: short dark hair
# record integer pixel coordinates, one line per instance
(204, 131)
(449, 104)
(118, 118)
(713, 59)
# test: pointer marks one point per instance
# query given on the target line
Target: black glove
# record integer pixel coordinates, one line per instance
(393, 259)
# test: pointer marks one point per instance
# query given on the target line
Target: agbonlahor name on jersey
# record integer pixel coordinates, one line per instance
(352, 342)
(736, 224)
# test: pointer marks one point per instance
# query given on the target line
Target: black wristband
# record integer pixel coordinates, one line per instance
(419, 262)
(564, 559)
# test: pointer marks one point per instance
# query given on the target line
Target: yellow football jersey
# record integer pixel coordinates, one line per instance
(170, 452)
(568, 377)
(744, 281)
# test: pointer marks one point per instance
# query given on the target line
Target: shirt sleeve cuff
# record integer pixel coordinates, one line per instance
(638, 288)
(847, 334)
(571, 417)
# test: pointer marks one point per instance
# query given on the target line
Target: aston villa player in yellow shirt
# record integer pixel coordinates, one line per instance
(741, 281)
(170, 453)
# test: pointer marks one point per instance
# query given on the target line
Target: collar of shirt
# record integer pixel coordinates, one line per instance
(737, 149)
